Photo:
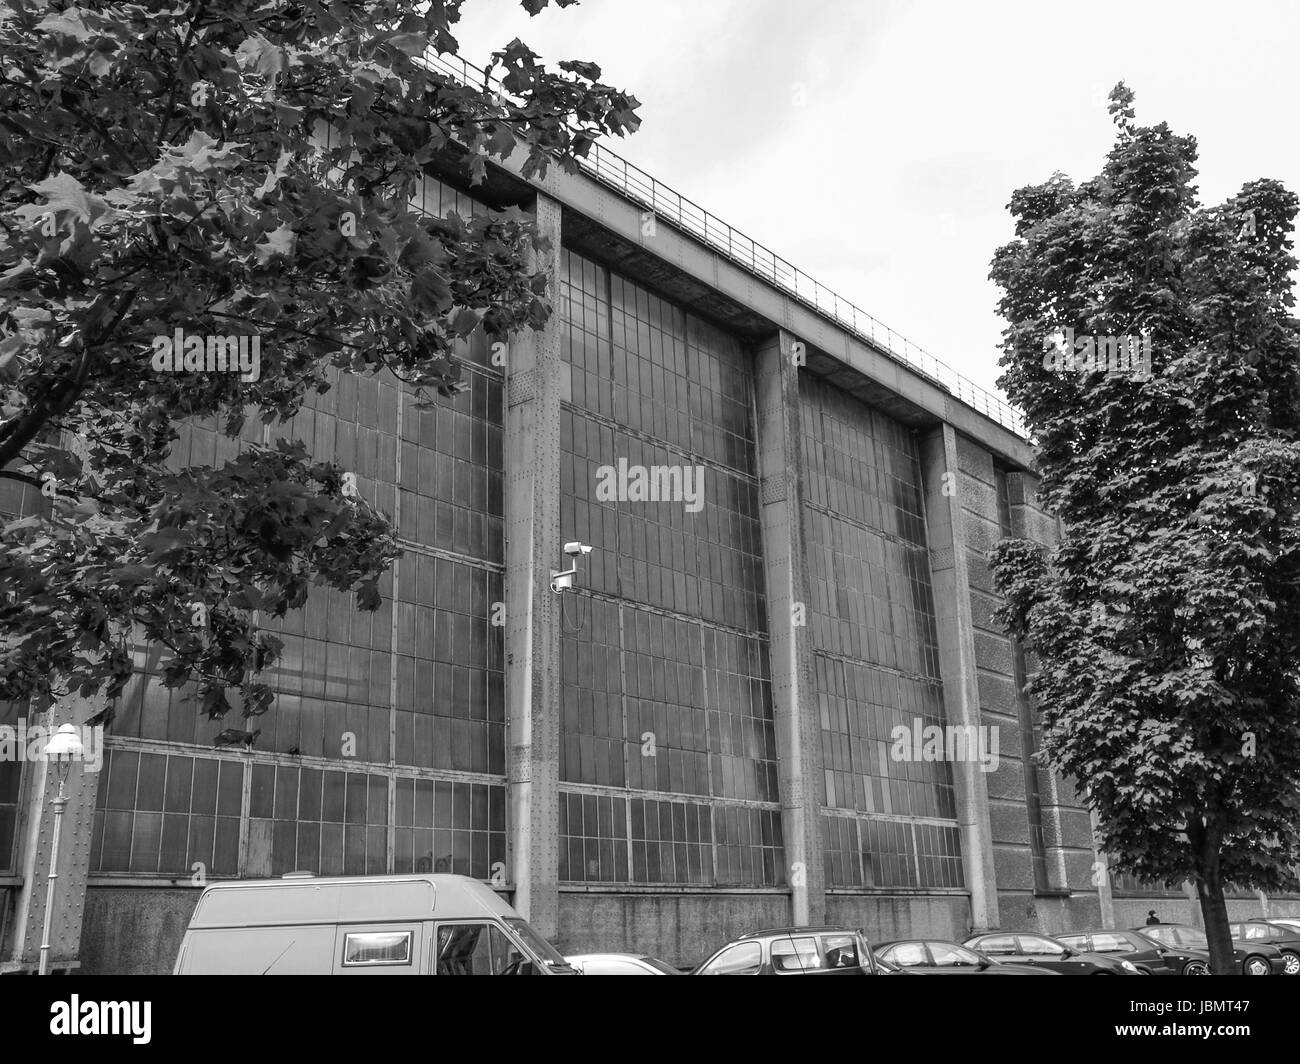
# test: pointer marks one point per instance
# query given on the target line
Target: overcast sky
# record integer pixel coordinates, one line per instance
(875, 144)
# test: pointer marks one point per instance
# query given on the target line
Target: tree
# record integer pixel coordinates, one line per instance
(242, 172)
(1166, 621)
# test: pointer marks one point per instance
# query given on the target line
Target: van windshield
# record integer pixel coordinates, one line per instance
(540, 947)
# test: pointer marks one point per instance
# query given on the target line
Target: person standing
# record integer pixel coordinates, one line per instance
(1152, 918)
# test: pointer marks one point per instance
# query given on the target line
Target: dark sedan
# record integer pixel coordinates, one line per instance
(1020, 947)
(1287, 939)
(1149, 956)
(936, 957)
(1253, 958)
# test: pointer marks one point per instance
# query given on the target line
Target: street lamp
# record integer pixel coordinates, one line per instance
(62, 749)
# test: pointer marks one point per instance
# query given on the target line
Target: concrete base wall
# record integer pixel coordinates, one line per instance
(680, 929)
(134, 930)
(1052, 915)
(1132, 912)
(945, 916)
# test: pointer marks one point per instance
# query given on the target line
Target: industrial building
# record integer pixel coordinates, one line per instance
(789, 509)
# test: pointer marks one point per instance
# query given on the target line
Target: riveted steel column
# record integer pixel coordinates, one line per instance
(533, 373)
(798, 727)
(945, 526)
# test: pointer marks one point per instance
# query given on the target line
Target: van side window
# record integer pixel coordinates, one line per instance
(476, 949)
(376, 947)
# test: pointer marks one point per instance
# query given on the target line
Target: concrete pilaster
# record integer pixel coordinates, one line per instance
(798, 727)
(1105, 894)
(533, 372)
(956, 633)
(1069, 842)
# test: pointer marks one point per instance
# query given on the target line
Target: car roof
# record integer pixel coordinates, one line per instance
(831, 928)
(1148, 928)
(918, 938)
(609, 956)
(1016, 931)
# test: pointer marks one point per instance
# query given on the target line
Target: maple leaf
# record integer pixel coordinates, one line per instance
(280, 242)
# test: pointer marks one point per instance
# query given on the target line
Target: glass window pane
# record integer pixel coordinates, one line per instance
(745, 958)
(377, 947)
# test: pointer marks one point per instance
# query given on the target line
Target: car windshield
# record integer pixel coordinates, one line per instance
(1195, 939)
(538, 945)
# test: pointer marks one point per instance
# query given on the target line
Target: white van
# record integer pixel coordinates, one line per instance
(361, 925)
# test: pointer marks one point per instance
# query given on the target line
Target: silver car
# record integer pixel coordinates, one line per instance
(620, 964)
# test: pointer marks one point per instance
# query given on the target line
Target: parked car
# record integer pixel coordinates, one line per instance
(794, 951)
(1285, 938)
(1149, 956)
(1286, 921)
(1024, 948)
(937, 957)
(361, 925)
(1253, 958)
(620, 964)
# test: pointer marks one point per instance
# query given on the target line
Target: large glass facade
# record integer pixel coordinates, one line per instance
(385, 749)
(668, 758)
(887, 821)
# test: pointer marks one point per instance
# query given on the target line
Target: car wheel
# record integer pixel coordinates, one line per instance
(1196, 968)
(1256, 966)
(1292, 962)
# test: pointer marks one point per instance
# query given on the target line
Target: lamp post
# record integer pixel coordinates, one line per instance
(62, 749)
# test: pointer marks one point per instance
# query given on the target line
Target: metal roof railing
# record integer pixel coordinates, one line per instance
(671, 206)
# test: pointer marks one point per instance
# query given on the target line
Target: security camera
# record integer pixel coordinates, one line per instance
(576, 548)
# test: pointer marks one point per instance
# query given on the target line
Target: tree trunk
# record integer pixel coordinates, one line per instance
(1214, 910)
(1214, 907)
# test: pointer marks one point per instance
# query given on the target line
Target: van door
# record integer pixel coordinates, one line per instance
(379, 949)
(477, 947)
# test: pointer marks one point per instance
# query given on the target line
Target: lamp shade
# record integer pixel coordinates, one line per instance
(65, 744)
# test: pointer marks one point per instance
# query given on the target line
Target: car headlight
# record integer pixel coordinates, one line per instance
(1128, 966)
